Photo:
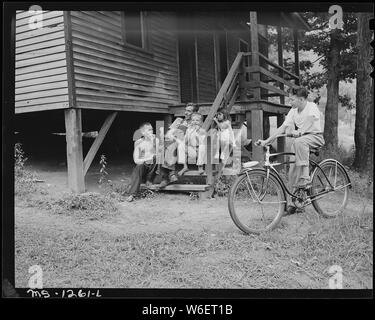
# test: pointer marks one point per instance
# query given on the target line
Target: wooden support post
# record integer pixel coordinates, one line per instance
(248, 123)
(296, 54)
(255, 50)
(167, 122)
(257, 133)
(73, 127)
(281, 140)
(98, 141)
(210, 179)
(280, 60)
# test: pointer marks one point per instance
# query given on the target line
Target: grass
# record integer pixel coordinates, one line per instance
(181, 259)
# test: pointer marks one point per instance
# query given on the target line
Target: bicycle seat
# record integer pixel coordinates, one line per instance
(315, 151)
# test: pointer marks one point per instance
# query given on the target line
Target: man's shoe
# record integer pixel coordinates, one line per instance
(163, 184)
(303, 184)
(290, 210)
(173, 178)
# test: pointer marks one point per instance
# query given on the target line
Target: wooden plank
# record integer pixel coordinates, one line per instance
(41, 94)
(108, 79)
(42, 87)
(73, 129)
(280, 60)
(39, 81)
(98, 141)
(257, 133)
(69, 59)
(273, 89)
(248, 124)
(156, 64)
(270, 75)
(281, 140)
(42, 107)
(124, 65)
(40, 67)
(40, 53)
(254, 49)
(41, 60)
(179, 187)
(111, 96)
(46, 24)
(100, 85)
(50, 40)
(93, 18)
(21, 14)
(119, 50)
(119, 107)
(40, 74)
(24, 20)
(42, 101)
(293, 76)
(105, 72)
(222, 91)
(35, 33)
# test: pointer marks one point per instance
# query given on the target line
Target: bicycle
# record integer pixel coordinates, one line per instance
(261, 186)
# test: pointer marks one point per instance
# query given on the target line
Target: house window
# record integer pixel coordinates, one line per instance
(133, 28)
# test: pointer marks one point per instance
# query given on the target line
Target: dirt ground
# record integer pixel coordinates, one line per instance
(171, 213)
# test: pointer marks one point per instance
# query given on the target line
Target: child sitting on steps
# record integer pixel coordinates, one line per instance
(194, 143)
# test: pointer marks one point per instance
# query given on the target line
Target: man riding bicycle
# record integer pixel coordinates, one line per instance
(303, 123)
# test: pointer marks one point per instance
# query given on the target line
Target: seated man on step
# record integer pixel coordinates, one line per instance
(305, 117)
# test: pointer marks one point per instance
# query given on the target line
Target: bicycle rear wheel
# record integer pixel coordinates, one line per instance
(330, 201)
(256, 203)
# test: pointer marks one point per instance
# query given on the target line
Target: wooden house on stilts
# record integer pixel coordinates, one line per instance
(152, 62)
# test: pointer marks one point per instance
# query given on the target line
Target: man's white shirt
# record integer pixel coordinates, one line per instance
(300, 118)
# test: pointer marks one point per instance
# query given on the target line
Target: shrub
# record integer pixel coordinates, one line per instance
(24, 180)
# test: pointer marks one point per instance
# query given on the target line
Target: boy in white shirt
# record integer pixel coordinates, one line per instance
(144, 156)
(303, 122)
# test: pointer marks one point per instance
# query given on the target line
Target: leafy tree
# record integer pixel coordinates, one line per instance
(336, 50)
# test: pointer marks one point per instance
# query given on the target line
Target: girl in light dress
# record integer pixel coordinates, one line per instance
(226, 140)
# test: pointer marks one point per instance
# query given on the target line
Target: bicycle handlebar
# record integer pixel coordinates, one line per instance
(257, 143)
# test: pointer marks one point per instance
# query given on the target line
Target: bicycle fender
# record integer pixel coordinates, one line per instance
(339, 165)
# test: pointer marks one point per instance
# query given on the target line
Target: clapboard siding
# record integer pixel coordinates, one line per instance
(40, 70)
(206, 66)
(111, 75)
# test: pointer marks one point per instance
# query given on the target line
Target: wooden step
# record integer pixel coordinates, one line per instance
(195, 173)
(179, 187)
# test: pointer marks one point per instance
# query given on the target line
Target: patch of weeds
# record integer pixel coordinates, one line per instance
(24, 180)
(146, 194)
(362, 184)
(89, 205)
(223, 185)
(102, 172)
(194, 195)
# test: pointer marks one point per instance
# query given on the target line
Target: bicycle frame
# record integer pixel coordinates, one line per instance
(269, 167)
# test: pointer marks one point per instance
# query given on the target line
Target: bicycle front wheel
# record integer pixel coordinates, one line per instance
(256, 202)
(330, 197)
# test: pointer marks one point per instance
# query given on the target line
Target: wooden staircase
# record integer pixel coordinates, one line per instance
(249, 94)
(225, 98)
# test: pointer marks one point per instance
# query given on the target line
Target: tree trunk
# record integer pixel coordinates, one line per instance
(369, 150)
(364, 100)
(331, 111)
